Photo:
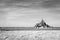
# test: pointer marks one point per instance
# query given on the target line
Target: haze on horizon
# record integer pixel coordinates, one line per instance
(27, 13)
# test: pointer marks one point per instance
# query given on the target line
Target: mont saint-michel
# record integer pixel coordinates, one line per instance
(39, 26)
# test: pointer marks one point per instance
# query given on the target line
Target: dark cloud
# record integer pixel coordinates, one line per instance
(30, 3)
(51, 3)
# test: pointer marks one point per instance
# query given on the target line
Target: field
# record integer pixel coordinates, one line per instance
(27, 28)
(30, 35)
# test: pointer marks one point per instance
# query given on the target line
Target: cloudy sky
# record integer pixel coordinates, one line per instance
(26, 13)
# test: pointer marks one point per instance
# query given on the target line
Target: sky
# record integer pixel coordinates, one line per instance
(26, 13)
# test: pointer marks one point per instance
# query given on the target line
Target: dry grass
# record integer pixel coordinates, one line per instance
(30, 35)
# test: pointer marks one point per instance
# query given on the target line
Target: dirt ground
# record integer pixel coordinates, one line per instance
(30, 35)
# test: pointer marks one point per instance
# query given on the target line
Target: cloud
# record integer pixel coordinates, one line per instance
(30, 3)
(27, 17)
(29, 12)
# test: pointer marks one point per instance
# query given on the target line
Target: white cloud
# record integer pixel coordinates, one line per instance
(27, 17)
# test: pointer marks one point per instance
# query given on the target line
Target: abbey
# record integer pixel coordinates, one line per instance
(42, 24)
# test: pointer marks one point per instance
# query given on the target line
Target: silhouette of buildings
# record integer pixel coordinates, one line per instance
(42, 24)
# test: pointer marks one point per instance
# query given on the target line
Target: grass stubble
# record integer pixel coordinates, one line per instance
(30, 35)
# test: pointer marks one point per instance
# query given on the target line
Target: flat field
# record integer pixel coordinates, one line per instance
(30, 35)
